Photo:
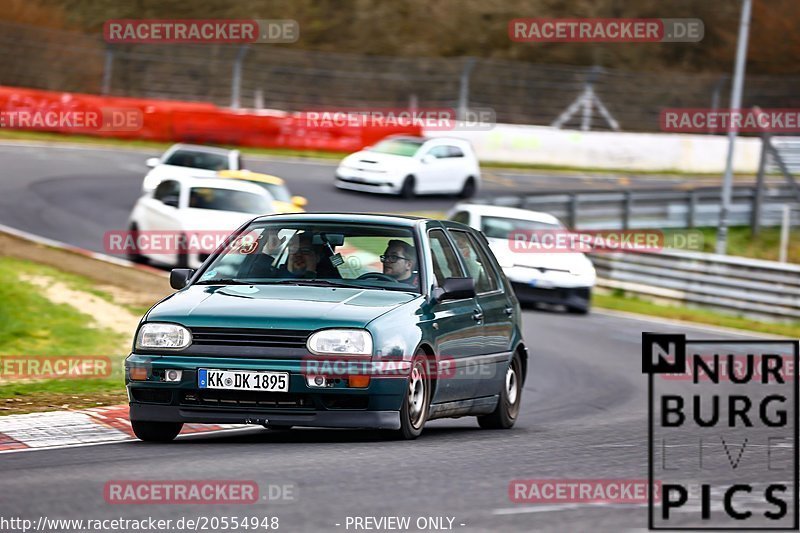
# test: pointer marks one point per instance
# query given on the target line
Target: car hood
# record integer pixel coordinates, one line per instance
(366, 160)
(276, 306)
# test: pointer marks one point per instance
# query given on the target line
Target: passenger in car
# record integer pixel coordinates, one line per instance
(303, 258)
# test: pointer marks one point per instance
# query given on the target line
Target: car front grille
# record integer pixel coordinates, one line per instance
(250, 337)
(252, 399)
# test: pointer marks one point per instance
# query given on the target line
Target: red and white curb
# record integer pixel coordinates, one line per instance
(58, 429)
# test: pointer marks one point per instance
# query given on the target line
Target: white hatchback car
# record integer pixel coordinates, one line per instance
(564, 277)
(200, 211)
(409, 166)
(190, 160)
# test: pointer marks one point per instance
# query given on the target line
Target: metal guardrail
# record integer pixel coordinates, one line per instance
(747, 287)
(655, 208)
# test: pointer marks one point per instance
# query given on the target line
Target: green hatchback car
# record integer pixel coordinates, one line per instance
(332, 320)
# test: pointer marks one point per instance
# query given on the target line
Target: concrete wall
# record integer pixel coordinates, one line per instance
(670, 152)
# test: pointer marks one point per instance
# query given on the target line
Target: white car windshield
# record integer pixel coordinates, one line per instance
(228, 200)
(404, 147)
(502, 227)
(195, 159)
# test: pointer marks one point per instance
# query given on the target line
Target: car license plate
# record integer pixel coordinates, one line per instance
(243, 380)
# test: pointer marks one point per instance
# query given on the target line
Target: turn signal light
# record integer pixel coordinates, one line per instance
(138, 373)
(358, 382)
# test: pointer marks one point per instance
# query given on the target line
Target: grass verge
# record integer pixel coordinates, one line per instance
(630, 304)
(34, 326)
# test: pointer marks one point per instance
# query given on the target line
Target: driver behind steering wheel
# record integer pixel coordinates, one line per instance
(400, 261)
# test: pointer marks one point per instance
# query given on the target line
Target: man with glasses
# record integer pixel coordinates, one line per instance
(400, 262)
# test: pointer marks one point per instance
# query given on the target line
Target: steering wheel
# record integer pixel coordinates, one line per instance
(377, 275)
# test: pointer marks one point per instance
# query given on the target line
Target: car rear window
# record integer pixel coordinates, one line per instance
(194, 159)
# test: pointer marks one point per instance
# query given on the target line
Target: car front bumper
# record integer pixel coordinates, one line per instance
(576, 297)
(376, 406)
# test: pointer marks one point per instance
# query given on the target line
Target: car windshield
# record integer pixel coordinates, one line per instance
(404, 147)
(279, 192)
(327, 254)
(229, 200)
(502, 227)
(195, 159)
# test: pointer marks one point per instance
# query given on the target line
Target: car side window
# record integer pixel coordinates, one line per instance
(165, 189)
(439, 152)
(478, 264)
(461, 216)
(445, 263)
(454, 151)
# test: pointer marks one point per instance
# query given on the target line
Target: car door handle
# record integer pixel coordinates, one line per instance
(509, 311)
(477, 316)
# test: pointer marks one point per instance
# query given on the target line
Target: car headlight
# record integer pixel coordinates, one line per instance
(163, 337)
(341, 341)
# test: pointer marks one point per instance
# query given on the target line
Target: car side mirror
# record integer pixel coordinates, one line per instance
(299, 201)
(179, 277)
(428, 159)
(152, 162)
(456, 289)
(171, 201)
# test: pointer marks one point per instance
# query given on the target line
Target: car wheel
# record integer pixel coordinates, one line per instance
(133, 255)
(505, 414)
(468, 190)
(414, 412)
(156, 431)
(407, 190)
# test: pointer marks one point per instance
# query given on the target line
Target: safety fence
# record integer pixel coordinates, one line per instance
(657, 208)
(735, 285)
(169, 120)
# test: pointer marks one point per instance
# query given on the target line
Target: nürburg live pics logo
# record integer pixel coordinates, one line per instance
(722, 433)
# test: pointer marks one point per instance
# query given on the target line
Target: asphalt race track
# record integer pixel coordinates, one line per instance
(583, 413)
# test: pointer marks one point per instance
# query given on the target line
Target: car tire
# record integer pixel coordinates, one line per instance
(156, 431)
(417, 401)
(505, 414)
(133, 255)
(468, 190)
(407, 190)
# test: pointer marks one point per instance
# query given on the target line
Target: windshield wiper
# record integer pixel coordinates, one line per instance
(224, 281)
(316, 283)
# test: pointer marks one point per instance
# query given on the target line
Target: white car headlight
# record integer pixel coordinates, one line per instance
(163, 337)
(341, 341)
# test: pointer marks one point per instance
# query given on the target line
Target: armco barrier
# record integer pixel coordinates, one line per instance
(736, 285)
(166, 120)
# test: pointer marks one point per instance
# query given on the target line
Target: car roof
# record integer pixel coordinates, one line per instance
(200, 148)
(248, 175)
(216, 183)
(507, 212)
(356, 218)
